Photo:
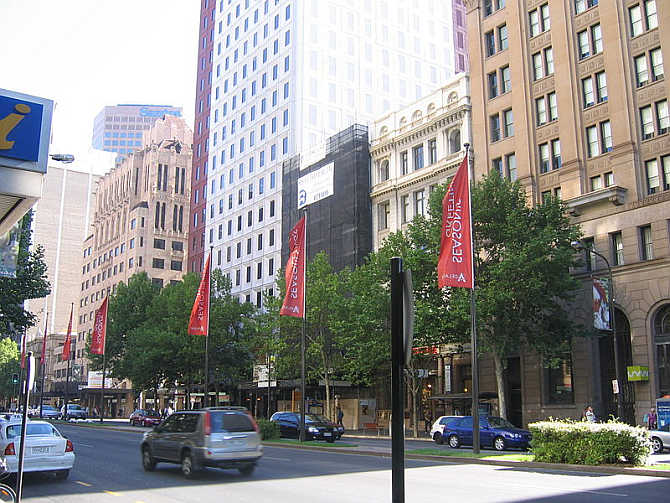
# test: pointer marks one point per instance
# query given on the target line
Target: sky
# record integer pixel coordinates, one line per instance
(86, 54)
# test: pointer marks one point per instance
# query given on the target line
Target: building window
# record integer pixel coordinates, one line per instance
(544, 157)
(503, 42)
(601, 83)
(553, 106)
(510, 165)
(493, 84)
(583, 5)
(662, 341)
(596, 182)
(662, 118)
(656, 63)
(555, 154)
(587, 92)
(508, 123)
(176, 265)
(505, 79)
(384, 215)
(640, 23)
(558, 385)
(490, 6)
(646, 243)
(404, 209)
(497, 165)
(540, 111)
(538, 67)
(489, 43)
(592, 144)
(646, 122)
(159, 244)
(403, 163)
(417, 153)
(494, 121)
(419, 202)
(432, 151)
(383, 173)
(617, 248)
(641, 71)
(158, 263)
(606, 136)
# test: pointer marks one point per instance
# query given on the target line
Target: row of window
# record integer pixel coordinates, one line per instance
(122, 135)
(411, 205)
(248, 275)
(645, 245)
(238, 253)
(122, 143)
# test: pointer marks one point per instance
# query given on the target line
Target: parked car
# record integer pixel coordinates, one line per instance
(145, 417)
(438, 427)
(74, 411)
(46, 449)
(660, 438)
(48, 412)
(222, 437)
(317, 427)
(494, 432)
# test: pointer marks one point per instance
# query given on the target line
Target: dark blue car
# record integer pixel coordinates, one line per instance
(494, 432)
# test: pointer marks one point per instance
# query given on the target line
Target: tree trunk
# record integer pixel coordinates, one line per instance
(500, 381)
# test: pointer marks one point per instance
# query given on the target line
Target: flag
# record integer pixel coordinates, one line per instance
(99, 329)
(68, 338)
(44, 348)
(294, 301)
(199, 322)
(23, 351)
(454, 267)
(601, 304)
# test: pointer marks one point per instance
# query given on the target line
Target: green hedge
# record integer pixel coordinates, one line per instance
(584, 443)
(269, 429)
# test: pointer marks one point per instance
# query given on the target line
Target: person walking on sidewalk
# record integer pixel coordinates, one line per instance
(340, 416)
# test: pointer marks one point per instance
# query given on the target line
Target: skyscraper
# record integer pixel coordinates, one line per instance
(287, 74)
(119, 128)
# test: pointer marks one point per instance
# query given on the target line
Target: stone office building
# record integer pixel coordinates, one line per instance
(575, 91)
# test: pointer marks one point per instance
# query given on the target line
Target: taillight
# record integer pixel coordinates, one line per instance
(253, 422)
(208, 424)
(9, 450)
(68, 446)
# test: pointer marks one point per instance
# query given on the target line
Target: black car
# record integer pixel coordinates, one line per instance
(316, 427)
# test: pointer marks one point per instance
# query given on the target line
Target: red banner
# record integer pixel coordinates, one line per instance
(199, 322)
(454, 267)
(68, 338)
(23, 351)
(44, 347)
(294, 301)
(99, 329)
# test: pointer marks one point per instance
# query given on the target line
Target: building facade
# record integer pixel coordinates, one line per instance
(140, 224)
(460, 37)
(288, 74)
(119, 128)
(575, 91)
(413, 150)
(61, 221)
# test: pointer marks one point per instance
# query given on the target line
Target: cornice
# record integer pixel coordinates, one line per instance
(417, 177)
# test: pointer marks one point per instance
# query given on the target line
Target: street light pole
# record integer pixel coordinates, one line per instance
(618, 371)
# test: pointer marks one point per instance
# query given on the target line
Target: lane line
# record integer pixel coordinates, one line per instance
(276, 459)
(82, 483)
(111, 492)
(85, 445)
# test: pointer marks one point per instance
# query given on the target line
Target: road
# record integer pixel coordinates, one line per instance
(108, 470)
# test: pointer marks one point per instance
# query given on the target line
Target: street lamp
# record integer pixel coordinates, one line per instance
(579, 246)
(66, 158)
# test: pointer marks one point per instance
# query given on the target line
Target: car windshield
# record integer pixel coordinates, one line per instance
(318, 418)
(14, 430)
(151, 413)
(499, 422)
(74, 407)
(230, 422)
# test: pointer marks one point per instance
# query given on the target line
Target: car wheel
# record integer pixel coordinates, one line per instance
(62, 474)
(499, 444)
(454, 443)
(148, 461)
(437, 437)
(656, 445)
(188, 466)
(247, 469)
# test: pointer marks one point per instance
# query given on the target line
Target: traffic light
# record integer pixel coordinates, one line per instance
(15, 378)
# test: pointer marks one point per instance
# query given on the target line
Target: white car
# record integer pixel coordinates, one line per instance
(660, 438)
(438, 428)
(46, 450)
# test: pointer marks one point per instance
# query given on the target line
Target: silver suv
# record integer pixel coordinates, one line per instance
(222, 437)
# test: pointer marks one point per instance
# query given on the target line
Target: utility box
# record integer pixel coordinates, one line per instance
(663, 412)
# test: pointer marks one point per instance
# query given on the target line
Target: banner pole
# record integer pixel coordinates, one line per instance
(102, 386)
(302, 338)
(43, 363)
(205, 396)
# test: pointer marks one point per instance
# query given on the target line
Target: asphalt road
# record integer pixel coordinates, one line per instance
(108, 470)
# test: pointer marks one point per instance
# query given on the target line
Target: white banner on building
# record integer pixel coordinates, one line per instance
(316, 185)
(95, 380)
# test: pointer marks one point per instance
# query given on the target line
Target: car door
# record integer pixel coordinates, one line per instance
(159, 437)
(292, 426)
(486, 432)
(464, 429)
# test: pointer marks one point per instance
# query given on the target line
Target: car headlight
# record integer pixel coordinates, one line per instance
(340, 428)
(312, 429)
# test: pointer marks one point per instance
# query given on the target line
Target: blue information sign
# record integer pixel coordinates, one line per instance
(20, 128)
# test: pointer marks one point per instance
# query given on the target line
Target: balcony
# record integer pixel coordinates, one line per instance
(614, 194)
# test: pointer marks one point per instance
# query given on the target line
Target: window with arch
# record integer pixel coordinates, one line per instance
(403, 123)
(455, 141)
(416, 116)
(383, 173)
(662, 341)
(431, 109)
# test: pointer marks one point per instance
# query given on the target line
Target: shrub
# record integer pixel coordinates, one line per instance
(269, 429)
(584, 443)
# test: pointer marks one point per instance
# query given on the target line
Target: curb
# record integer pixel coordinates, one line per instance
(529, 465)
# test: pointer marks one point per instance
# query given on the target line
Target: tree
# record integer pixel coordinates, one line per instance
(9, 364)
(30, 283)
(523, 283)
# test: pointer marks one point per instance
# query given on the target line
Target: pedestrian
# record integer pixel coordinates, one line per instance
(589, 415)
(168, 410)
(428, 421)
(652, 419)
(340, 415)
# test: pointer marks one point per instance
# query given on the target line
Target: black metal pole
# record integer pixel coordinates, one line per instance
(475, 373)
(102, 386)
(43, 362)
(397, 385)
(67, 388)
(205, 392)
(24, 420)
(302, 341)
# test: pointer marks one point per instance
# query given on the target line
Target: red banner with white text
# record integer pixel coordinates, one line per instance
(99, 329)
(199, 322)
(454, 267)
(294, 300)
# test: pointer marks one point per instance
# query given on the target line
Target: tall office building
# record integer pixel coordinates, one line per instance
(119, 128)
(460, 37)
(286, 75)
(573, 103)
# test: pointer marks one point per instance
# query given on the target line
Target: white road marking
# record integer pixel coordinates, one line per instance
(276, 459)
